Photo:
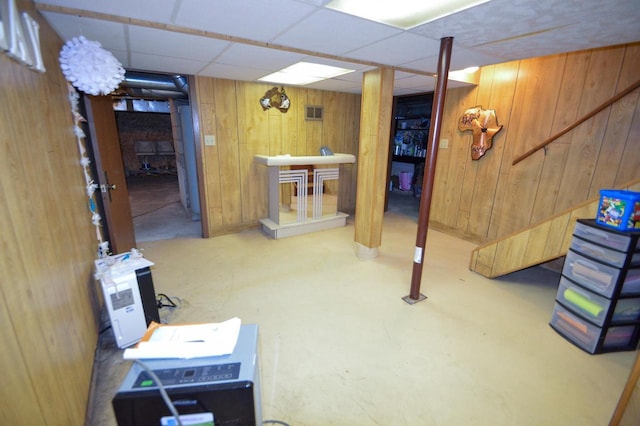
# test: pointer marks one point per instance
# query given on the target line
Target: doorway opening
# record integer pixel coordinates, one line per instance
(407, 151)
(156, 209)
(156, 140)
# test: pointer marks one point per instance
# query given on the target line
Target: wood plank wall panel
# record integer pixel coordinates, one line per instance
(332, 112)
(487, 177)
(629, 163)
(533, 123)
(473, 179)
(566, 112)
(254, 200)
(48, 244)
(534, 99)
(234, 185)
(228, 151)
(450, 167)
(587, 139)
(314, 129)
(349, 172)
(617, 139)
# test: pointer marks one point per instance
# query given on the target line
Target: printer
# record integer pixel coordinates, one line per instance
(221, 390)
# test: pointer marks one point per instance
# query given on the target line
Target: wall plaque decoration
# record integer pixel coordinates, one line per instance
(483, 124)
(275, 98)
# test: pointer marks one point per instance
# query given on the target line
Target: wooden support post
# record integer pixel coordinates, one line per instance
(373, 155)
(430, 167)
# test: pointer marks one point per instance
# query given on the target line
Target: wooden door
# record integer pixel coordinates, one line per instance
(110, 173)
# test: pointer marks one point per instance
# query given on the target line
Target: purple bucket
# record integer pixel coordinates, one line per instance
(405, 180)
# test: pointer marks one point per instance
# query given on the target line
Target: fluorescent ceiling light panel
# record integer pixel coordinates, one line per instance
(404, 14)
(304, 73)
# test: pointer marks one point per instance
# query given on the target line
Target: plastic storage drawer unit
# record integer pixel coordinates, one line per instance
(591, 274)
(589, 337)
(612, 240)
(606, 255)
(587, 304)
(631, 284)
(598, 300)
(595, 308)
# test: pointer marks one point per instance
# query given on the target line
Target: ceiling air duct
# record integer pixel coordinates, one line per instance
(154, 86)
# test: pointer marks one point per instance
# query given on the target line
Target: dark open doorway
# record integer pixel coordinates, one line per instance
(153, 145)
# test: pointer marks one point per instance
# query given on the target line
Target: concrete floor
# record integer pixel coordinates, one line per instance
(157, 211)
(339, 346)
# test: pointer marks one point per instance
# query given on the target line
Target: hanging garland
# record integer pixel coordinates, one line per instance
(85, 162)
(93, 70)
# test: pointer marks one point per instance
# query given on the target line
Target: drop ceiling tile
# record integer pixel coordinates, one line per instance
(340, 64)
(398, 49)
(337, 86)
(319, 3)
(330, 32)
(165, 64)
(503, 20)
(122, 56)
(486, 22)
(232, 72)
(454, 84)
(421, 83)
(160, 11)
(110, 35)
(544, 44)
(243, 55)
(179, 45)
(352, 77)
(252, 19)
(460, 58)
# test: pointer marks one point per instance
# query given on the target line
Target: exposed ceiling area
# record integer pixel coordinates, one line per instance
(248, 39)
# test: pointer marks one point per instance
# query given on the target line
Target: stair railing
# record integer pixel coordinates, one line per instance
(579, 121)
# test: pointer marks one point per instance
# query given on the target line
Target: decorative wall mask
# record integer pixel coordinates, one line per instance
(275, 98)
(483, 123)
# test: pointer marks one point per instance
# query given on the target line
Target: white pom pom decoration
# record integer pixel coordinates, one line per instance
(89, 67)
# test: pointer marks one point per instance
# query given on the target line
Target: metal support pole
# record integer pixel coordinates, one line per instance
(430, 167)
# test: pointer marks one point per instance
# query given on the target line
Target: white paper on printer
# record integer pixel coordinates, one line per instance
(188, 341)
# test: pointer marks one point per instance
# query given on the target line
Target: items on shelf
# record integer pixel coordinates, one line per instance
(411, 125)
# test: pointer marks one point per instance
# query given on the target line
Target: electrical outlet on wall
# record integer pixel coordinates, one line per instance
(444, 144)
(210, 140)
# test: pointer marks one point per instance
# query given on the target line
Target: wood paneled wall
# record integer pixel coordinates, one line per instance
(48, 307)
(234, 187)
(535, 99)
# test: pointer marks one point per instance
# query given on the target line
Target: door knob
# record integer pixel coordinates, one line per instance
(107, 187)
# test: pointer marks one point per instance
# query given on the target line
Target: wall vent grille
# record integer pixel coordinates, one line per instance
(313, 112)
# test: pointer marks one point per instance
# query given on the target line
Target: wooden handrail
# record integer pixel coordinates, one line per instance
(579, 121)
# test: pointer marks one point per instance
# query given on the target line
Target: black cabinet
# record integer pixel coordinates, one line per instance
(597, 305)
